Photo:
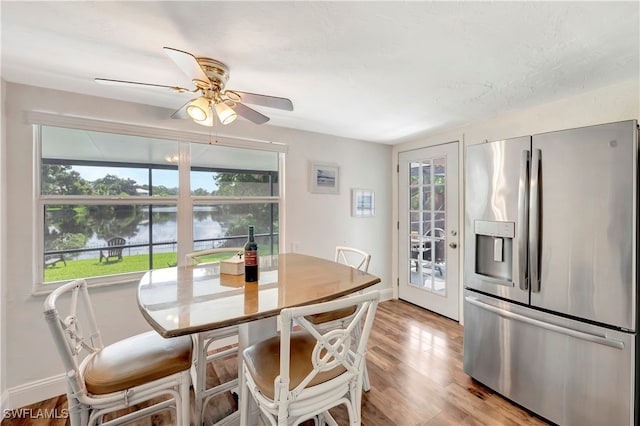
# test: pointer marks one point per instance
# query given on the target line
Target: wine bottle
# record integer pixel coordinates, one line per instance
(251, 258)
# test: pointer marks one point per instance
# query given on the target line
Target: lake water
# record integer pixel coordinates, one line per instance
(164, 231)
(132, 223)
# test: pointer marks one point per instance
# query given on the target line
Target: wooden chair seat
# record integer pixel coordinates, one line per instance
(325, 317)
(137, 360)
(263, 360)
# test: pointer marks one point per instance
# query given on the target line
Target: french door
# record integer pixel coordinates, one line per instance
(428, 228)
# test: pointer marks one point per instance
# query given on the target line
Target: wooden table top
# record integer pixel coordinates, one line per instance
(191, 299)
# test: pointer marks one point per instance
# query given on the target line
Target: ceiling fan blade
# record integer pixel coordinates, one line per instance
(187, 63)
(136, 84)
(249, 113)
(263, 100)
(181, 112)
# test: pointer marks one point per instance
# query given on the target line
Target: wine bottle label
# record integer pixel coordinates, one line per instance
(251, 258)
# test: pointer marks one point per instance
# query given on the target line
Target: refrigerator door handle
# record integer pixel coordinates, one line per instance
(523, 219)
(602, 340)
(534, 221)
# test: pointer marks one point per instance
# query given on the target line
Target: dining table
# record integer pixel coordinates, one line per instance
(191, 299)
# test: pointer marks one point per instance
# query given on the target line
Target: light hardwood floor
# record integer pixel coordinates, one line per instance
(415, 367)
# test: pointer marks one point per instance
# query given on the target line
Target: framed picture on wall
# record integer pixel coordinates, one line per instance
(324, 178)
(363, 203)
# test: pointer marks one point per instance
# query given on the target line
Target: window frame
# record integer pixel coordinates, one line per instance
(184, 201)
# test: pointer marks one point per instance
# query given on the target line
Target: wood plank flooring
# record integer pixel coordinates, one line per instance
(417, 378)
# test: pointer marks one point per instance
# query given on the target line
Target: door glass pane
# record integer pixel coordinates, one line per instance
(414, 173)
(438, 198)
(426, 172)
(426, 222)
(426, 197)
(414, 198)
(427, 225)
(414, 225)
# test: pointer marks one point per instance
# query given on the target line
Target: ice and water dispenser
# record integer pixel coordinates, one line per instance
(494, 249)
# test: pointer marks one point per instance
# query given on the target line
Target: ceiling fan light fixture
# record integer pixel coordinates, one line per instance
(225, 113)
(199, 109)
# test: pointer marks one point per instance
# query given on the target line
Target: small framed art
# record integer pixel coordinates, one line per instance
(363, 203)
(325, 178)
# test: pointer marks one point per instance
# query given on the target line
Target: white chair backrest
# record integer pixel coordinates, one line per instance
(76, 335)
(353, 257)
(195, 257)
(333, 348)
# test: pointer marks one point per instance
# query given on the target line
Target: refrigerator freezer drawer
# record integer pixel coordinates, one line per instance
(566, 371)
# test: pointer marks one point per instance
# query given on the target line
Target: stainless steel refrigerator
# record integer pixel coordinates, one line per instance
(550, 272)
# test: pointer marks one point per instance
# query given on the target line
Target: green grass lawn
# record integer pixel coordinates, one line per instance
(93, 268)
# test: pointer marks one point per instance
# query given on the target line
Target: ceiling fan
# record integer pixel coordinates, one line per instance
(210, 77)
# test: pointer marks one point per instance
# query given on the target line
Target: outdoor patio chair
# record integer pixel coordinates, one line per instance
(425, 246)
(115, 246)
(204, 340)
(52, 260)
(302, 374)
(104, 379)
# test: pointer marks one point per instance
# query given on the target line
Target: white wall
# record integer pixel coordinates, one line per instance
(318, 222)
(3, 228)
(614, 103)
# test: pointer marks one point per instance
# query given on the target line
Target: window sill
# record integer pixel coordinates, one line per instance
(40, 289)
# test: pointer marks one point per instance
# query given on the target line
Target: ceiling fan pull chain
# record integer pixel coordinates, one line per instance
(215, 125)
(217, 121)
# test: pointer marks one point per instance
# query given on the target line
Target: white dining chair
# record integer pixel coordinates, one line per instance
(204, 340)
(304, 372)
(357, 259)
(353, 257)
(104, 379)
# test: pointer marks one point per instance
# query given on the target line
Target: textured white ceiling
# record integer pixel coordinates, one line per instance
(378, 71)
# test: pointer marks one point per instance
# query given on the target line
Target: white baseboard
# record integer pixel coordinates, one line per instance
(386, 294)
(4, 398)
(33, 392)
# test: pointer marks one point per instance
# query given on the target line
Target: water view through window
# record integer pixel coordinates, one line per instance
(95, 196)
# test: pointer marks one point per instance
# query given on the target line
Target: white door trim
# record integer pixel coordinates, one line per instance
(411, 146)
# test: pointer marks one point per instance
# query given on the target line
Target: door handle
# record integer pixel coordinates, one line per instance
(602, 340)
(534, 221)
(453, 245)
(523, 218)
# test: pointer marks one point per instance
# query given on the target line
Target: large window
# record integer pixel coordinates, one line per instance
(111, 203)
